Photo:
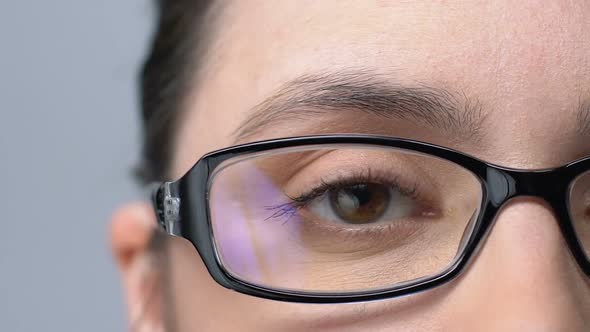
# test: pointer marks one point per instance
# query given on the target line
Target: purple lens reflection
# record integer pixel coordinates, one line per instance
(249, 242)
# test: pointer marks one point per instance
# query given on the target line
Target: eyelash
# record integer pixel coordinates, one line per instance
(291, 208)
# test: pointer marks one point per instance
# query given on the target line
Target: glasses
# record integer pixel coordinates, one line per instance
(348, 218)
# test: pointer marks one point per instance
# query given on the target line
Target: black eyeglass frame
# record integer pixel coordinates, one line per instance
(182, 209)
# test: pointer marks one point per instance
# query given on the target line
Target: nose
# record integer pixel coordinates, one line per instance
(523, 279)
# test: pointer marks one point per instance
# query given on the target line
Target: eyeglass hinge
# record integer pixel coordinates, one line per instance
(171, 210)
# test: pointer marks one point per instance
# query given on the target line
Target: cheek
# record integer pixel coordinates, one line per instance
(198, 303)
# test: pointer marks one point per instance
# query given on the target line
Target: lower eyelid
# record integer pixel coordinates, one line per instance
(389, 235)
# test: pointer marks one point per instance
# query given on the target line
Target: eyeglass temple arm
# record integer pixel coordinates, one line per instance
(167, 207)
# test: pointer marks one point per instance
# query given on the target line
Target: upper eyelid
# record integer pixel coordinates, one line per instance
(326, 186)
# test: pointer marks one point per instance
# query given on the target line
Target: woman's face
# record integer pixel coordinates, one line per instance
(519, 72)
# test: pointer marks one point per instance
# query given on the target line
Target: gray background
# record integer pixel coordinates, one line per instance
(68, 140)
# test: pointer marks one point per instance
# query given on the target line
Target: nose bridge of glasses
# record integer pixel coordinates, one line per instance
(505, 184)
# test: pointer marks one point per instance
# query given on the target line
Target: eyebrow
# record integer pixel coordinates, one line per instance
(584, 117)
(376, 94)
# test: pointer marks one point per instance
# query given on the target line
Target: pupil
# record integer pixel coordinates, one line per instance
(360, 203)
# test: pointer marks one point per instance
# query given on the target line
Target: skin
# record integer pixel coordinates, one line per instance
(527, 63)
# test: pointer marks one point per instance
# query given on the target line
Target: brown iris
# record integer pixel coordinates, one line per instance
(360, 203)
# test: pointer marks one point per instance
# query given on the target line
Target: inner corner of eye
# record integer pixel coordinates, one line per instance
(430, 209)
(431, 213)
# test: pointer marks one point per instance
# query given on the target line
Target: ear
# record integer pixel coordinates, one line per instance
(133, 228)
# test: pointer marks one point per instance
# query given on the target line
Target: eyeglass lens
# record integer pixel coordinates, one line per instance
(341, 218)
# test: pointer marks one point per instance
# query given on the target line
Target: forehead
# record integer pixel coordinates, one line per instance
(526, 61)
(530, 43)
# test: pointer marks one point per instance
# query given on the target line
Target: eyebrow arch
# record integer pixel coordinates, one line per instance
(359, 90)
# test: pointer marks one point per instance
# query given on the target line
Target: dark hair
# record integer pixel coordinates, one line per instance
(178, 43)
(169, 68)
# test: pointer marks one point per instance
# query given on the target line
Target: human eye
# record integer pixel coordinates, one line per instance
(360, 204)
(360, 200)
